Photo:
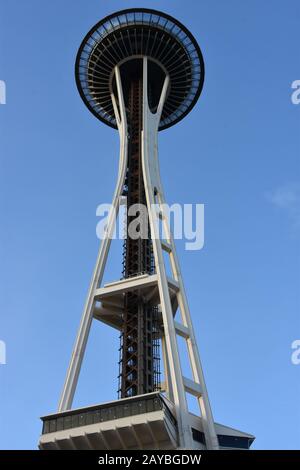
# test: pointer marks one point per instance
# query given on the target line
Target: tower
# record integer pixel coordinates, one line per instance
(140, 71)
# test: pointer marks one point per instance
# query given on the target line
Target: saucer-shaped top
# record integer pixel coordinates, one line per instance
(134, 33)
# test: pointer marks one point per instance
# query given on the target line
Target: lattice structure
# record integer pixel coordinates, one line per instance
(139, 370)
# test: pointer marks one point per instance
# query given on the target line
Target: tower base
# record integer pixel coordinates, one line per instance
(138, 423)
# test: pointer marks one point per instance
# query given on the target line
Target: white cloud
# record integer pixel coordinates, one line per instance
(287, 198)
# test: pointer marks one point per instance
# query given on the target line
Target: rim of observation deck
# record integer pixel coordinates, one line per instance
(93, 79)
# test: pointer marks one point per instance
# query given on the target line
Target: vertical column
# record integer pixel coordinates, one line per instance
(87, 315)
(193, 353)
(138, 362)
(149, 150)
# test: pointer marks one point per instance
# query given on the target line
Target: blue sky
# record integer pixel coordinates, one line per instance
(237, 152)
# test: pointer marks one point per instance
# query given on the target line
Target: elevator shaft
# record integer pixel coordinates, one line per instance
(139, 348)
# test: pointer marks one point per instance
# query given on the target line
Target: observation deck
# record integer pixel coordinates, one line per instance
(136, 423)
(133, 34)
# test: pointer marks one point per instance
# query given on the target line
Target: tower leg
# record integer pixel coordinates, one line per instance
(149, 151)
(154, 193)
(193, 353)
(87, 316)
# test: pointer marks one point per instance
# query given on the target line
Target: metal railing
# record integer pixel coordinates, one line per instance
(106, 412)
